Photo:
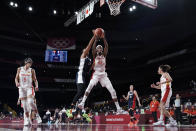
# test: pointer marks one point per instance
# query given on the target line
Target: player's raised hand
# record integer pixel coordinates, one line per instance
(96, 37)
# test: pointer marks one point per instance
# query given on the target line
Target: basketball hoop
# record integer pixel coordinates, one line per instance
(114, 6)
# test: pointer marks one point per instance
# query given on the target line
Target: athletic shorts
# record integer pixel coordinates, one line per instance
(166, 95)
(26, 92)
(100, 77)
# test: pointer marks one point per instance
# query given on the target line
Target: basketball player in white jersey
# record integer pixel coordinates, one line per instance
(83, 69)
(166, 93)
(99, 75)
(24, 79)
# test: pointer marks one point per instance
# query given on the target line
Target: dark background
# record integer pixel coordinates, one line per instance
(139, 42)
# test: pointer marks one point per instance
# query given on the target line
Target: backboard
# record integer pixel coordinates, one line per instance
(149, 3)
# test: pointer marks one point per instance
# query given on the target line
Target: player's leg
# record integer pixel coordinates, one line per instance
(165, 103)
(80, 88)
(166, 95)
(167, 114)
(92, 83)
(23, 98)
(37, 116)
(105, 82)
(32, 105)
(131, 113)
(162, 104)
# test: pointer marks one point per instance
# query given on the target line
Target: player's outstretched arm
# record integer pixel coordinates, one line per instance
(106, 46)
(94, 48)
(87, 49)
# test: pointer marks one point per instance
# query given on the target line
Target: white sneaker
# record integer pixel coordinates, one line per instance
(172, 123)
(38, 119)
(26, 121)
(159, 123)
(81, 105)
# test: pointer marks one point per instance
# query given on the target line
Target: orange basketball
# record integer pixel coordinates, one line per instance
(99, 32)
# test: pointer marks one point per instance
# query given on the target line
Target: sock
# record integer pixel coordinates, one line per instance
(117, 105)
(161, 117)
(171, 119)
(37, 115)
(84, 99)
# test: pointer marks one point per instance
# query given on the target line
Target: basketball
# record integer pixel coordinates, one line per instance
(99, 32)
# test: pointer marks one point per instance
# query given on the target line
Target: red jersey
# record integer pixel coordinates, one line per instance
(171, 112)
(193, 112)
(187, 111)
(154, 105)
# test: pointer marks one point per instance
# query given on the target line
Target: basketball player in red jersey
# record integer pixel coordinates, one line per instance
(166, 93)
(24, 79)
(99, 75)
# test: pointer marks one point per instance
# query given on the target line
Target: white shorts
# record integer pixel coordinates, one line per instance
(166, 95)
(26, 92)
(100, 77)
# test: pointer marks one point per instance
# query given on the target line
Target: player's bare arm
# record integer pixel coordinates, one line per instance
(87, 49)
(155, 86)
(138, 99)
(168, 78)
(17, 78)
(106, 46)
(126, 97)
(94, 48)
(35, 79)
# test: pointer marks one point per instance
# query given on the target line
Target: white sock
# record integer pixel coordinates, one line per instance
(161, 117)
(117, 105)
(84, 99)
(37, 115)
(171, 119)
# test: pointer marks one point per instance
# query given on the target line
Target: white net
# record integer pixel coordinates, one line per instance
(114, 6)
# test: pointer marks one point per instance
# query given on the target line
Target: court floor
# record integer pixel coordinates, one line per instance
(71, 127)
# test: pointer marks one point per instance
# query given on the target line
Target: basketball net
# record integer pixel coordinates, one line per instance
(114, 6)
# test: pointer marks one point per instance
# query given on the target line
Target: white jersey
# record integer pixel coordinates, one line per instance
(25, 78)
(80, 72)
(100, 63)
(83, 69)
(165, 85)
